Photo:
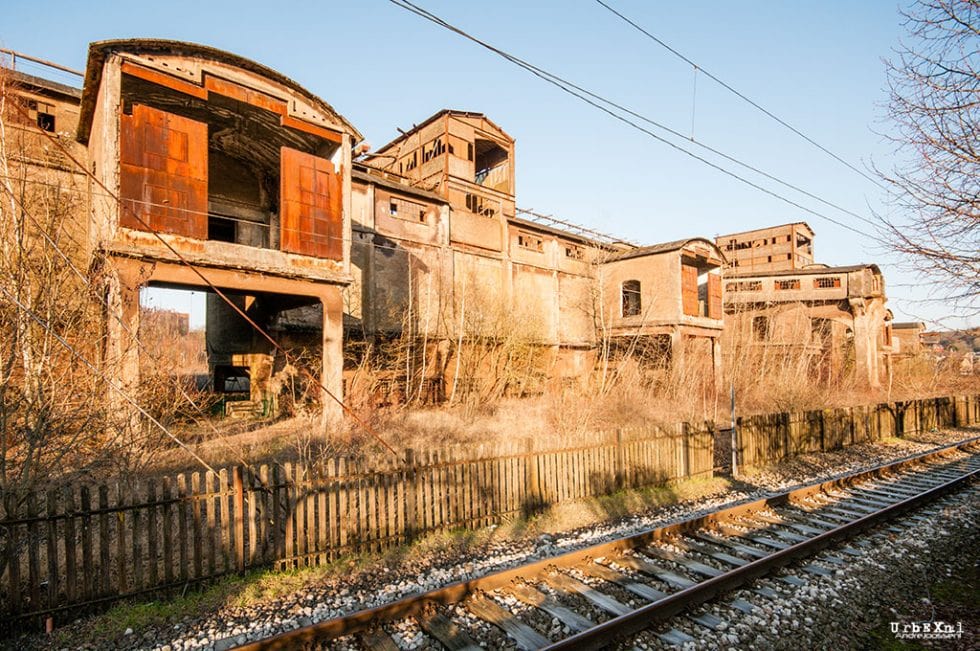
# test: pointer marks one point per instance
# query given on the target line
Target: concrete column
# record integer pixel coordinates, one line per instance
(865, 346)
(716, 362)
(122, 350)
(121, 363)
(676, 349)
(332, 371)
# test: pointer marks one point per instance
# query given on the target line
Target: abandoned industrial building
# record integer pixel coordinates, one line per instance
(233, 179)
(776, 292)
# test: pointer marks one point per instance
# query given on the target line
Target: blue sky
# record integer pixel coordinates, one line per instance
(817, 65)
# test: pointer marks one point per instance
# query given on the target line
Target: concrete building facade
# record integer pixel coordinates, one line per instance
(233, 179)
(230, 178)
(787, 246)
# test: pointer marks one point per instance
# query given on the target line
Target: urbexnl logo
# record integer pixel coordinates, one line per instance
(927, 630)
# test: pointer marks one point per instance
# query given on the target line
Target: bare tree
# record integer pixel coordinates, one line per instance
(934, 105)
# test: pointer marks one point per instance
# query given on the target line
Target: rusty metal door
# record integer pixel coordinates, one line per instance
(311, 216)
(164, 173)
(714, 296)
(689, 289)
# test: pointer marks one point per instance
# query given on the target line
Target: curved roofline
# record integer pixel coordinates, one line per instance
(667, 247)
(99, 50)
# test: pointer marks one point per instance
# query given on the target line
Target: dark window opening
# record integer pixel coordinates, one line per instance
(491, 169)
(631, 298)
(788, 284)
(232, 379)
(393, 209)
(820, 331)
(221, 229)
(826, 283)
(526, 241)
(477, 205)
(760, 328)
(45, 121)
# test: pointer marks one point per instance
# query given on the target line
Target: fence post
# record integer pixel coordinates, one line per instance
(411, 521)
(620, 463)
(532, 479)
(685, 452)
(238, 484)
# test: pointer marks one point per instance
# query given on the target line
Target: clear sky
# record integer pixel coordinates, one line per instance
(816, 65)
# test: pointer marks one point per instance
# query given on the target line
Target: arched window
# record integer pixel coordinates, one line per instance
(631, 298)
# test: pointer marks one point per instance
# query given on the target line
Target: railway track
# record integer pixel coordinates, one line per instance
(592, 597)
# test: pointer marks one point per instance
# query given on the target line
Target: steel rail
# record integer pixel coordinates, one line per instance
(609, 631)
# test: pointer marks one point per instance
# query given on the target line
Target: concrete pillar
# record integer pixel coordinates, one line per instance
(716, 362)
(121, 363)
(865, 346)
(676, 349)
(122, 350)
(332, 370)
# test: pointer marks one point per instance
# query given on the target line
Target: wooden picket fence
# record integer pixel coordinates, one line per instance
(82, 546)
(769, 438)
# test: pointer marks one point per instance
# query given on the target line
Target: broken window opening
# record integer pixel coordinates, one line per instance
(530, 242)
(631, 298)
(407, 210)
(826, 283)
(491, 167)
(760, 328)
(793, 283)
(821, 331)
(45, 121)
(479, 205)
(574, 252)
(221, 229)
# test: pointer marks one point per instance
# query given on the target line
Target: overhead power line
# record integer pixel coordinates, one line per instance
(603, 104)
(740, 95)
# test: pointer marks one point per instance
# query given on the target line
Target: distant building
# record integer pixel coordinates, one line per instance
(836, 316)
(777, 248)
(907, 338)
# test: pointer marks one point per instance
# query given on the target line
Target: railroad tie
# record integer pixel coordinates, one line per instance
(541, 601)
(612, 576)
(490, 611)
(708, 620)
(743, 605)
(691, 564)
(377, 639)
(605, 602)
(447, 633)
(675, 637)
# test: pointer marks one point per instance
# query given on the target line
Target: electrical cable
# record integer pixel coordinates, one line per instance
(741, 96)
(585, 95)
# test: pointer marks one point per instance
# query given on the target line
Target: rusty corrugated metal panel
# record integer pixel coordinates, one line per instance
(689, 289)
(311, 219)
(714, 296)
(164, 172)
